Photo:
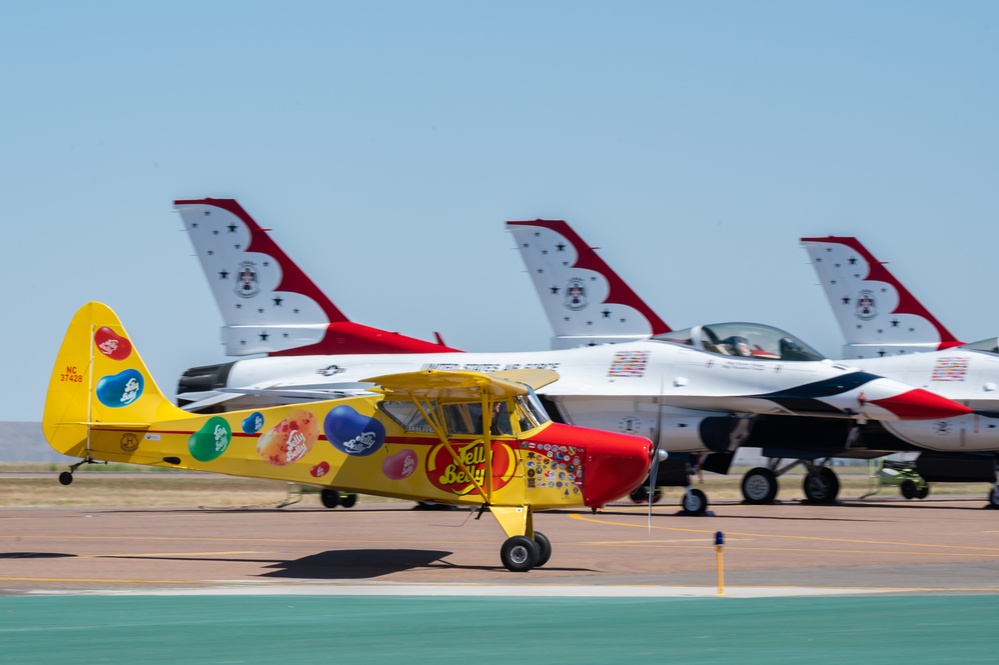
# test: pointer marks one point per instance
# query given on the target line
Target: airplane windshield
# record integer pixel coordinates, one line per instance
(743, 340)
(990, 345)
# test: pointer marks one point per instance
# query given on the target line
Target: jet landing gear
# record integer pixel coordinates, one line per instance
(66, 477)
(520, 554)
(821, 485)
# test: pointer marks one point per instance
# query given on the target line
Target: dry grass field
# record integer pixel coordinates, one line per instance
(36, 485)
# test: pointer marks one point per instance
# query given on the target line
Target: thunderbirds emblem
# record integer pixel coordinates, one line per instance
(575, 295)
(247, 283)
(866, 308)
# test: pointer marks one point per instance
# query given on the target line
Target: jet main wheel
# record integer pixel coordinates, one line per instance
(330, 498)
(822, 485)
(544, 548)
(695, 502)
(348, 500)
(923, 492)
(519, 554)
(759, 485)
(994, 497)
(908, 489)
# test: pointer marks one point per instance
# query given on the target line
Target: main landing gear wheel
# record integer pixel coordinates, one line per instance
(330, 498)
(66, 477)
(759, 485)
(695, 502)
(519, 554)
(821, 485)
(923, 492)
(908, 489)
(544, 548)
(348, 500)
(994, 497)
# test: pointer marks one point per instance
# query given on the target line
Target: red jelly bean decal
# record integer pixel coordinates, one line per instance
(111, 344)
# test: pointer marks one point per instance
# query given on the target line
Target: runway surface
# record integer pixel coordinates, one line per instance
(382, 583)
(929, 547)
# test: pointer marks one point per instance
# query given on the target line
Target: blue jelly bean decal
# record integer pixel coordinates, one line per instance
(121, 389)
(353, 433)
(253, 423)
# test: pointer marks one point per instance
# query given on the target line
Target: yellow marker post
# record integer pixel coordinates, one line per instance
(719, 544)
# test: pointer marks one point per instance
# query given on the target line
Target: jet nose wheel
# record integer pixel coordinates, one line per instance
(519, 554)
(695, 502)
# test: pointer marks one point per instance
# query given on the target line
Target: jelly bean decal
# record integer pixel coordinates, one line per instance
(399, 466)
(320, 470)
(253, 423)
(111, 344)
(209, 442)
(352, 433)
(290, 439)
(121, 389)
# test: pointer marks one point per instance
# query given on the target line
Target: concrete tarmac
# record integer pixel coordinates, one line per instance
(936, 546)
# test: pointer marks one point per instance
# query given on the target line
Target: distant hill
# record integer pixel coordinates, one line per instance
(23, 442)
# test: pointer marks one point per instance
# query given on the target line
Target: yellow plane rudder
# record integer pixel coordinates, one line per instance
(99, 377)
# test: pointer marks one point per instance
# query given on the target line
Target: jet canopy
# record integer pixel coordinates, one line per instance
(990, 345)
(743, 340)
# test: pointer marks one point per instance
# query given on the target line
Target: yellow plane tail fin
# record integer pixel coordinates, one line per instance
(99, 377)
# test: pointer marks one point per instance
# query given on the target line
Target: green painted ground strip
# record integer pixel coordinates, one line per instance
(369, 630)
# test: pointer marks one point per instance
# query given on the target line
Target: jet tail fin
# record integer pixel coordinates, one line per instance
(877, 314)
(268, 304)
(587, 303)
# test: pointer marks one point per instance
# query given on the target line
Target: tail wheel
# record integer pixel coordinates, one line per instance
(330, 498)
(759, 485)
(519, 554)
(544, 548)
(65, 478)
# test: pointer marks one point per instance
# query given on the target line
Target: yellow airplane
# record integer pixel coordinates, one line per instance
(455, 437)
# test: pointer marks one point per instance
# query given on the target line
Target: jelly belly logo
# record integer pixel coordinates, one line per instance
(448, 475)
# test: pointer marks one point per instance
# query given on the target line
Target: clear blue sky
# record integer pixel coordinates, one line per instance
(387, 142)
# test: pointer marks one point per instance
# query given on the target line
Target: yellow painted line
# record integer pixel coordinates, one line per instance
(586, 518)
(153, 555)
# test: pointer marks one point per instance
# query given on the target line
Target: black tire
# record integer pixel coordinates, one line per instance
(908, 489)
(821, 485)
(330, 498)
(519, 554)
(994, 497)
(923, 492)
(544, 548)
(694, 502)
(348, 500)
(65, 477)
(759, 486)
(641, 495)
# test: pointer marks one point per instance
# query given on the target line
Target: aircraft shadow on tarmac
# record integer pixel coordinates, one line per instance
(369, 563)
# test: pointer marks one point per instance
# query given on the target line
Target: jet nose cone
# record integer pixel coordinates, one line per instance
(919, 404)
